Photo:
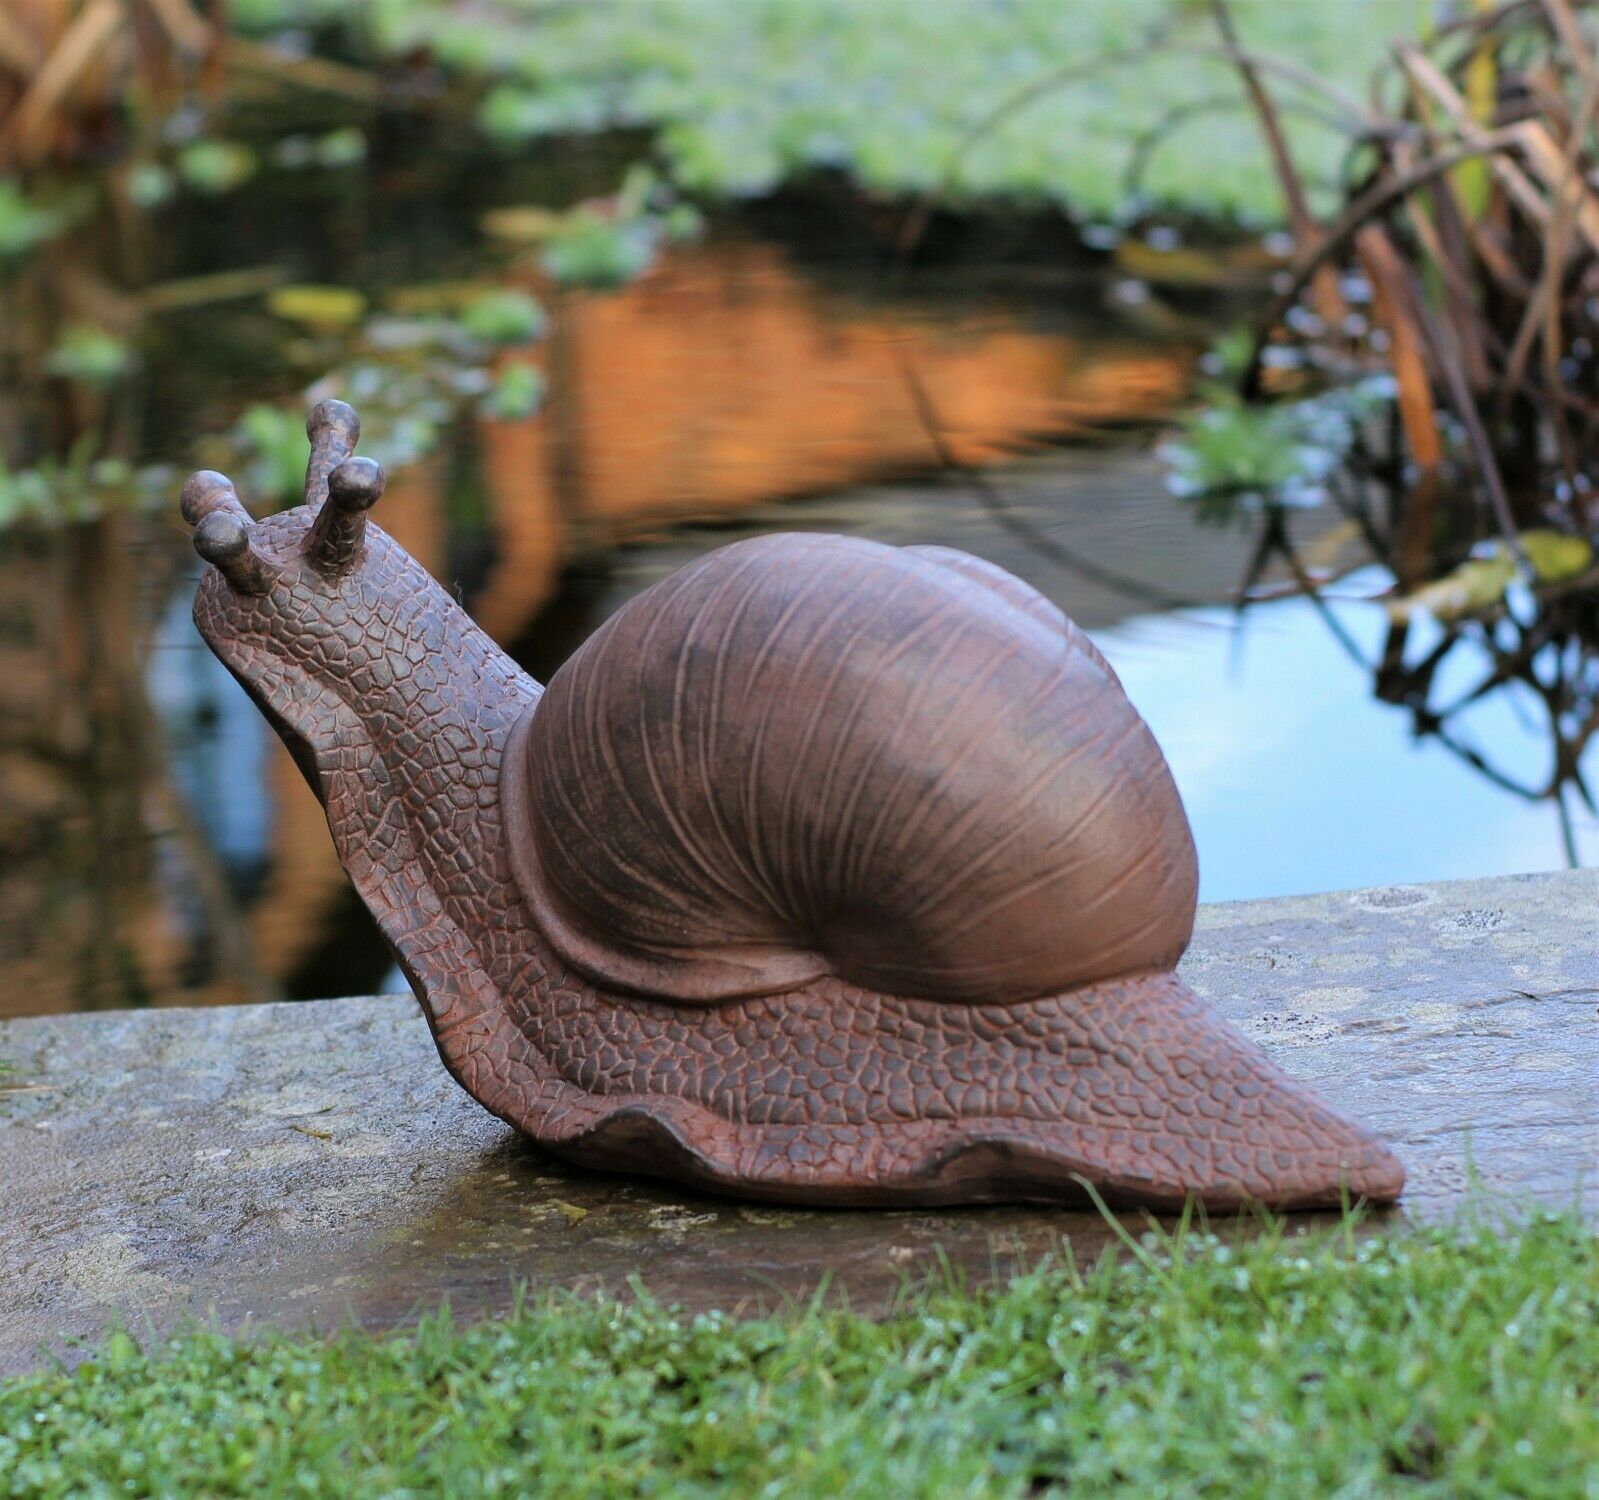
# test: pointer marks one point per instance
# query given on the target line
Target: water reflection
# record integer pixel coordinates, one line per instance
(1297, 779)
(729, 392)
(727, 378)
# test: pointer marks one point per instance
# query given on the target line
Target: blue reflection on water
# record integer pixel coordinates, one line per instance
(219, 741)
(1296, 779)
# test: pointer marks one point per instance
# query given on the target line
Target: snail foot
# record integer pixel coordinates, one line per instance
(829, 1094)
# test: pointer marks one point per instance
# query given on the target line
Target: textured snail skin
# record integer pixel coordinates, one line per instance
(778, 1074)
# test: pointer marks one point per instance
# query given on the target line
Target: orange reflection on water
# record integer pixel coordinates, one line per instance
(726, 378)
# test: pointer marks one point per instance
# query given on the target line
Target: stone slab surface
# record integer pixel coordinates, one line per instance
(294, 1164)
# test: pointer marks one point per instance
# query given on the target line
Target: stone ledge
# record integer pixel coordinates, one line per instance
(286, 1164)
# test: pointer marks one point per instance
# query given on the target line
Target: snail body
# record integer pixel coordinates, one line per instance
(823, 872)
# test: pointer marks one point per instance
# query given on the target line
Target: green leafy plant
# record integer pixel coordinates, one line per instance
(215, 167)
(599, 253)
(1033, 101)
(504, 316)
(25, 224)
(276, 448)
(1230, 458)
(90, 356)
(150, 184)
(344, 147)
(79, 487)
(517, 392)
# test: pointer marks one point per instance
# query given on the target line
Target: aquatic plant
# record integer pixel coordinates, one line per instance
(79, 487)
(1463, 261)
(1231, 459)
(214, 167)
(601, 244)
(504, 316)
(90, 355)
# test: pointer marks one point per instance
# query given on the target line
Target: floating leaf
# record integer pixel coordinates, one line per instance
(23, 223)
(277, 439)
(338, 148)
(1229, 458)
(149, 184)
(434, 299)
(341, 148)
(516, 393)
(682, 223)
(601, 254)
(1194, 265)
(511, 114)
(1478, 583)
(1228, 356)
(523, 225)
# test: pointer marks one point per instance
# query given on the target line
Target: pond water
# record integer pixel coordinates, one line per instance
(1296, 779)
(738, 388)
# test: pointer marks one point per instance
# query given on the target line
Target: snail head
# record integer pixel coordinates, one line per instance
(292, 602)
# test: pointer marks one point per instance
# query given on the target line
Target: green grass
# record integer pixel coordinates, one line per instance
(747, 94)
(1459, 1363)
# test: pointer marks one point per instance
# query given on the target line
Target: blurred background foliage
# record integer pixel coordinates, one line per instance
(1325, 270)
(118, 108)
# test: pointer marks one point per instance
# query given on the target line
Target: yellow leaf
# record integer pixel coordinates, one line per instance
(1555, 556)
(1475, 584)
(522, 226)
(1323, 552)
(427, 297)
(1193, 265)
(318, 306)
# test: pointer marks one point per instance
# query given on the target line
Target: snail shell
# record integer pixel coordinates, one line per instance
(809, 755)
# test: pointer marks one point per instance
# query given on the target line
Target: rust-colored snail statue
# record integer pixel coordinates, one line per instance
(825, 871)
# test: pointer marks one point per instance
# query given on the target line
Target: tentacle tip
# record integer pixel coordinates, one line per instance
(357, 484)
(221, 538)
(337, 417)
(204, 492)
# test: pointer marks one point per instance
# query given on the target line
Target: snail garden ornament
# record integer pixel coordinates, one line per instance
(825, 871)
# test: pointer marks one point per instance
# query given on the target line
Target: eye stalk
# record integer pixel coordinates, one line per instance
(334, 429)
(223, 540)
(339, 490)
(208, 491)
(333, 545)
